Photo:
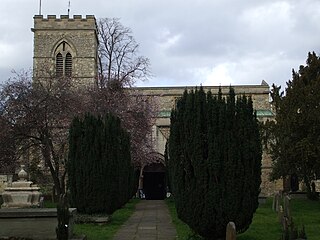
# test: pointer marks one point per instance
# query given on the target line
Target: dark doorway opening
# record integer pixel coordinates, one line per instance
(154, 183)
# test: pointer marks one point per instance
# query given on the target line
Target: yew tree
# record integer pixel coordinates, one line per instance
(100, 171)
(296, 143)
(214, 161)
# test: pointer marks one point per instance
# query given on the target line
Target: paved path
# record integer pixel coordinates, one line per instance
(150, 221)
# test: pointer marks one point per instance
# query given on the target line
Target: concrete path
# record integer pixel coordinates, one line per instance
(150, 221)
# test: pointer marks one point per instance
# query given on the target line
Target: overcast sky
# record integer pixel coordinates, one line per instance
(208, 42)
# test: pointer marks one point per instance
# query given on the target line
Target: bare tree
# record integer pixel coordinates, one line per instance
(120, 67)
(39, 114)
(119, 63)
(137, 113)
(7, 148)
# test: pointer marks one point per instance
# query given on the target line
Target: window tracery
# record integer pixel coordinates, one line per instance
(63, 60)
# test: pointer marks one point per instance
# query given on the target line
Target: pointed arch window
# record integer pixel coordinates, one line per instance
(59, 65)
(68, 65)
(63, 59)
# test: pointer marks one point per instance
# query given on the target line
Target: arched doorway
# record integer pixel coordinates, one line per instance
(154, 181)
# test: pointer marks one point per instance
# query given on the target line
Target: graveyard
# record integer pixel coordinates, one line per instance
(105, 160)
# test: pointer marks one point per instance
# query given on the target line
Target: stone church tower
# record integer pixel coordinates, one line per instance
(66, 47)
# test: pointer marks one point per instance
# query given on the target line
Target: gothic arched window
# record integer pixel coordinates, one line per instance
(68, 65)
(63, 60)
(59, 65)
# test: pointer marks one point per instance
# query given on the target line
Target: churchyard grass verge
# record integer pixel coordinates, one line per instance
(306, 212)
(49, 204)
(107, 231)
(265, 224)
(184, 232)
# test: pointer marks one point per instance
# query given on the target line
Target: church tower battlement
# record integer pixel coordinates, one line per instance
(68, 45)
(77, 22)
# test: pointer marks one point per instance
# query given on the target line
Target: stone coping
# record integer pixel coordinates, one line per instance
(19, 189)
(31, 212)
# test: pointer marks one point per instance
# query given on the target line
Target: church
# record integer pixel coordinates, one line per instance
(70, 46)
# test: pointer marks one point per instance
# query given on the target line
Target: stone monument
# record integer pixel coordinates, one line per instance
(231, 233)
(22, 193)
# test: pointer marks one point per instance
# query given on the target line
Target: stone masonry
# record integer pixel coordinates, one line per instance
(81, 36)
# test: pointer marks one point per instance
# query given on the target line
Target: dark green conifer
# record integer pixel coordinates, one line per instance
(99, 167)
(214, 161)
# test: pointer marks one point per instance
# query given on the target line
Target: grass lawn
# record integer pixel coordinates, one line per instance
(107, 231)
(49, 204)
(308, 213)
(183, 230)
(265, 225)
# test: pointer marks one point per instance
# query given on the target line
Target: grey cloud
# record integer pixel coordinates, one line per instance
(185, 40)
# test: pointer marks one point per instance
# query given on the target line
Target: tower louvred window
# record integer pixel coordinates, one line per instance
(63, 54)
(68, 65)
(59, 65)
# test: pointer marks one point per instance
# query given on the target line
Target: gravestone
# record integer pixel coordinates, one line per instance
(286, 204)
(276, 202)
(231, 231)
(280, 214)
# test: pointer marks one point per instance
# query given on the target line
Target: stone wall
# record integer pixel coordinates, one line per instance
(268, 187)
(34, 223)
(168, 95)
